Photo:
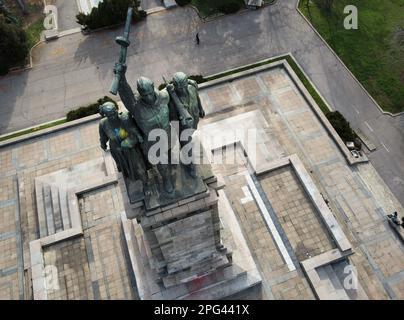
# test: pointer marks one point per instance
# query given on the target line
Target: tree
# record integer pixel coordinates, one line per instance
(10, 18)
(13, 45)
(109, 12)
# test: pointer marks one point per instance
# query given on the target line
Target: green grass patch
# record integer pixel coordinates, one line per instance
(32, 130)
(375, 52)
(208, 8)
(33, 32)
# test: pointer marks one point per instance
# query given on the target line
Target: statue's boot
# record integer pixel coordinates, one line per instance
(191, 169)
(167, 180)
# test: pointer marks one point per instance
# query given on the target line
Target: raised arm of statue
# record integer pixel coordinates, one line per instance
(127, 96)
(125, 91)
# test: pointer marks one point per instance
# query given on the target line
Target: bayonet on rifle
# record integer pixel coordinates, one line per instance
(124, 42)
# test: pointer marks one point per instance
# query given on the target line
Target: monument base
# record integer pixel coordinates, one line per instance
(239, 276)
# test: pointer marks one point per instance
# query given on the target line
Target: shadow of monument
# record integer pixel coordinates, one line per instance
(12, 88)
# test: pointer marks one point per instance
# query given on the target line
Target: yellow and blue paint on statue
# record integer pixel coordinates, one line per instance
(122, 134)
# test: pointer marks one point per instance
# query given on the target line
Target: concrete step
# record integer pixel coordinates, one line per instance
(43, 230)
(57, 217)
(47, 196)
(52, 208)
(64, 209)
(231, 284)
(214, 265)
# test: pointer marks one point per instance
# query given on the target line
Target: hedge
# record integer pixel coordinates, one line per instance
(341, 125)
(89, 110)
(13, 45)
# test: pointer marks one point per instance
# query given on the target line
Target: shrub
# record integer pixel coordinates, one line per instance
(230, 7)
(182, 3)
(341, 125)
(89, 110)
(198, 78)
(110, 12)
(13, 45)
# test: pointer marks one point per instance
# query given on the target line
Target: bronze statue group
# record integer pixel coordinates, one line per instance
(131, 134)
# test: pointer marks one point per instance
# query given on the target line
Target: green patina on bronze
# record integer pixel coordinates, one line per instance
(186, 107)
(151, 111)
(124, 142)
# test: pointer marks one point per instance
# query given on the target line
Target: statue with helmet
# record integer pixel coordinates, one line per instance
(150, 111)
(124, 138)
(153, 110)
(186, 107)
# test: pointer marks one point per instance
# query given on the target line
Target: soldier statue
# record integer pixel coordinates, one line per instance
(124, 143)
(149, 108)
(185, 106)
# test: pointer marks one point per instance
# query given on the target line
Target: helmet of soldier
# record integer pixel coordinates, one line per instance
(108, 109)
(180, 80)
(145, 86)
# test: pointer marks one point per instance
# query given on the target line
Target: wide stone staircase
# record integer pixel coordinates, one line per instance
(56, 195)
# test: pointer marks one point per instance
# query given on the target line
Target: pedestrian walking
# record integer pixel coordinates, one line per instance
(197, 38)
(394, 218)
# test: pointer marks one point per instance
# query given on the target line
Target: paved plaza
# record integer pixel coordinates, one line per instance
(277, 210)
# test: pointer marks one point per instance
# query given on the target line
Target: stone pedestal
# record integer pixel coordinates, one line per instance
(184, 250)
